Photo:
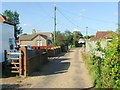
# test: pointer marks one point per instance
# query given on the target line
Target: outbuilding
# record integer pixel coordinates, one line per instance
(6, 37)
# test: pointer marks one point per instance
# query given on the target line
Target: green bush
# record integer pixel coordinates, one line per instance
(106, 71)
(111, 66)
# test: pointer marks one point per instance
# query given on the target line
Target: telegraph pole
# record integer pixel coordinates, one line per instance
(54, 22)
(86, 32)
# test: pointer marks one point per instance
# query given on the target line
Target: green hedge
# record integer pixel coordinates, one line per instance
(106, 71)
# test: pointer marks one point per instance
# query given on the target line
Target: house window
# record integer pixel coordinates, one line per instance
(39, 43)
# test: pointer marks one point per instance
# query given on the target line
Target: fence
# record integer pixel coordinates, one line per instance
(41, 47)
(51, 51)
(33, 60)
(15, 62)
(54, 51)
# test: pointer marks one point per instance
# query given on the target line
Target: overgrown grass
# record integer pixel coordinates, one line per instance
(90, 67)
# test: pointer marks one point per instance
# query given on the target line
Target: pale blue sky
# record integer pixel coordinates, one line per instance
(74, 16)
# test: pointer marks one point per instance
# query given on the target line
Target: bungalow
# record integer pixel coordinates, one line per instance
(36, 39)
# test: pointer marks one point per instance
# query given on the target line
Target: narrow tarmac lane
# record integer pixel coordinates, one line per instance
(67, 71)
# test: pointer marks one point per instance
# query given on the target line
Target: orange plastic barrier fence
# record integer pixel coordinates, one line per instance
(41, 47)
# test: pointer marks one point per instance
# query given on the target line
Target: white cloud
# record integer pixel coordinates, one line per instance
(77, 30)
(81, 13)
(24, 24)
(80, 30)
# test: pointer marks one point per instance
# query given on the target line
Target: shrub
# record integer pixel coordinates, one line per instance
(106, 70)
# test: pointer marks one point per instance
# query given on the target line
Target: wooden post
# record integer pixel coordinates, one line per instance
(20, 65)
(24, 61)
(4, 66)
(54, 22)
(5, 55)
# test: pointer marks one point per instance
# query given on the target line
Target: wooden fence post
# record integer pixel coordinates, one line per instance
(20, 65)
(24, 61)
(4, 66)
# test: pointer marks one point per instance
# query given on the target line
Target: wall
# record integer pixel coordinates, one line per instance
(0, 50)
(104, 43)
(91, 45)
(6, 32)
(34, 42)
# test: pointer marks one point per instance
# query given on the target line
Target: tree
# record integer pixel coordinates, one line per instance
(76, 36)
(69, 37)
(13, 17)
(60, 39)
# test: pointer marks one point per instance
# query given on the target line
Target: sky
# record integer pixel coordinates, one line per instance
(73, 16)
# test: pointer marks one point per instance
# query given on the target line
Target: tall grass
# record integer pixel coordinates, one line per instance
(88, 62)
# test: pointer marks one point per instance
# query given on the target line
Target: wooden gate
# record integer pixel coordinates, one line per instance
(15, 60)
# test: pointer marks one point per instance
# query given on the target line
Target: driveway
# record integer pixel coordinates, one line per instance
(66, 71)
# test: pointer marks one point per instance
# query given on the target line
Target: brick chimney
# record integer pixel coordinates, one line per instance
(33, 31)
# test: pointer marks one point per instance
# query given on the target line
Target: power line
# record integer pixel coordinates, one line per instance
(93, 19)
(46, 13)
(68, 19)
(72, 20)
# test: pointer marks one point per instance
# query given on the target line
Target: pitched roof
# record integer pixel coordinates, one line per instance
(31, 37)
(102, 35)
(48, 34)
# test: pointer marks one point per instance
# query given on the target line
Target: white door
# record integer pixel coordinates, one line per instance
(39, 43)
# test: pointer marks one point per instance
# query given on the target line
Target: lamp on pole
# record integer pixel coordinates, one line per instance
(86, 32)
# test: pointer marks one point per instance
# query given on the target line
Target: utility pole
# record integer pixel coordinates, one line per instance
(54, 22)
(86, 32)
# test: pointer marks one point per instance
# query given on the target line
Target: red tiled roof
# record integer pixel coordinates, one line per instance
(101, 35)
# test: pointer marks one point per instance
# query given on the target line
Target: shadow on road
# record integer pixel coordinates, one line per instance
(56, 66)
(9, 86)
(89, 88)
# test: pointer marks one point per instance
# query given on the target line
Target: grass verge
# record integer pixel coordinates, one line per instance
(88, 63)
